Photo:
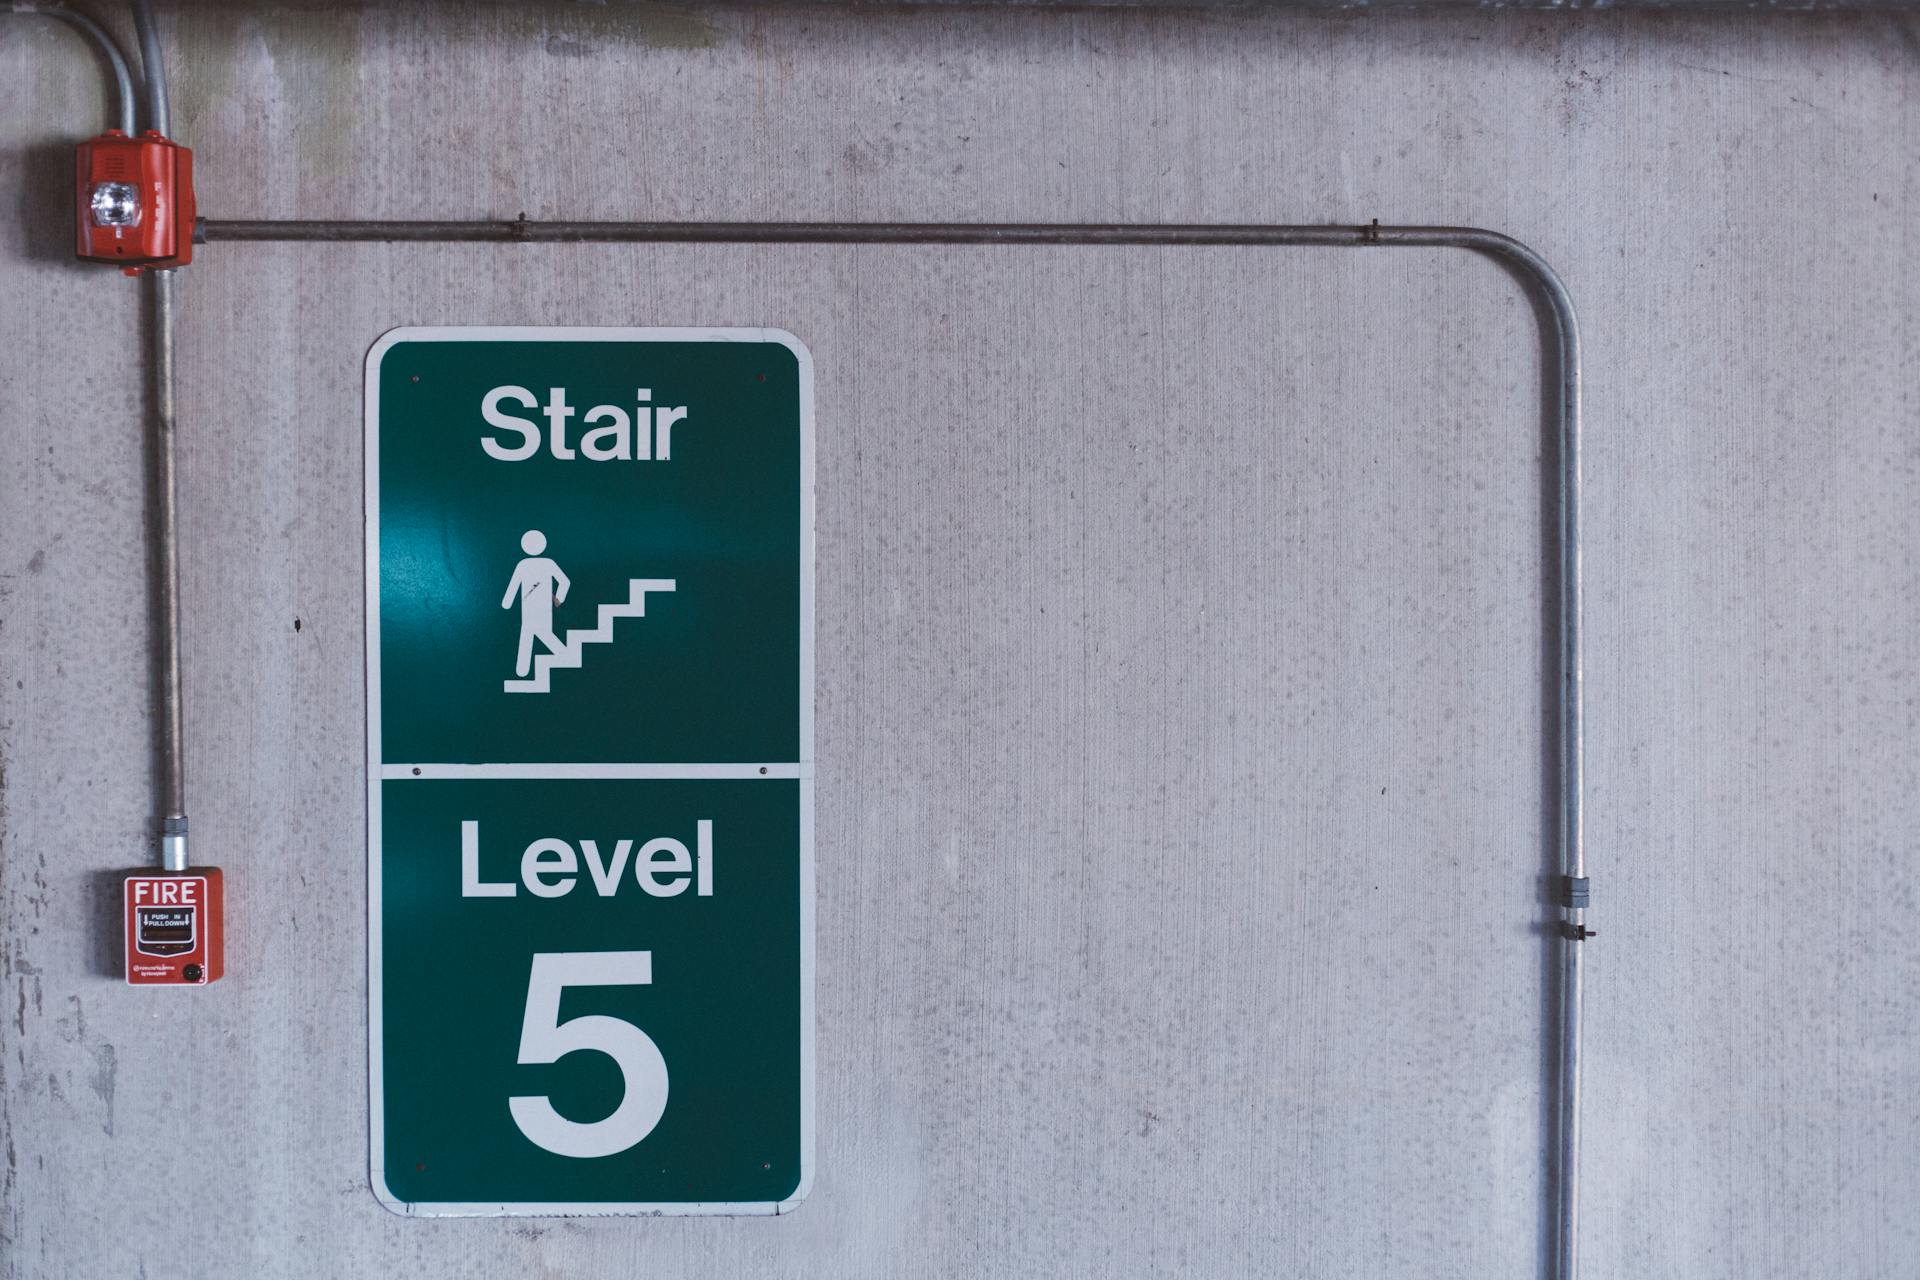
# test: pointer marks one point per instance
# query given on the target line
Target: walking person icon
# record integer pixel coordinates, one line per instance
(538, 584)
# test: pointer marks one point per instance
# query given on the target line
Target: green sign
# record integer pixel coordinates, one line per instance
(590, 783)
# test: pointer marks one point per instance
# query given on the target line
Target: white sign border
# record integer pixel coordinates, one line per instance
(376, 1149)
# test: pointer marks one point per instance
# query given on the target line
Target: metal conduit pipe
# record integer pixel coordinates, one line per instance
(1560, 350)
(170, 765)
(109, 49)
(1254, 6)
(151, 60)
(170, 761)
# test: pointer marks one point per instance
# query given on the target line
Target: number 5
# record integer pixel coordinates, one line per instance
(544, 1038)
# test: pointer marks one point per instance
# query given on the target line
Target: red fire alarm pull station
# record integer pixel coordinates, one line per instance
(173, 927)
(135, 201)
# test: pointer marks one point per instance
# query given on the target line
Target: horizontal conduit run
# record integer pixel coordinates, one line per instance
(1560, 345)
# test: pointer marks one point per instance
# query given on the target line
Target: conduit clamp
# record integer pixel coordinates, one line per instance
(1578, 892)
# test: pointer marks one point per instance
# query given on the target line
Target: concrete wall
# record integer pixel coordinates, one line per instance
(1180, 680)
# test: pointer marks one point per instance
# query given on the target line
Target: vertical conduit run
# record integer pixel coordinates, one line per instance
(1560, 350)
(155, 67)
(1572, 766)
(170, 766)
(170, 759)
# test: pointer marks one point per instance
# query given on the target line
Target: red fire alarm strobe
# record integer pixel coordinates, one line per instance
(173, 927)
(135, 198)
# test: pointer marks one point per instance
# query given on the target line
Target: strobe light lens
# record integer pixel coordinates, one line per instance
(115, 204)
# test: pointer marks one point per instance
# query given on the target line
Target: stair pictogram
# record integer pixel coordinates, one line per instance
(569, 653)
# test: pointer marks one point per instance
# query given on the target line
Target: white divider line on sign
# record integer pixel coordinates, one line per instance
(394, 772)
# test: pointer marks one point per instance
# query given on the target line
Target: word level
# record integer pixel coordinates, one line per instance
(550, 867)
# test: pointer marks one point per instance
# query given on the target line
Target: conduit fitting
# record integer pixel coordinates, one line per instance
(1577, 892)
(173, 844)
